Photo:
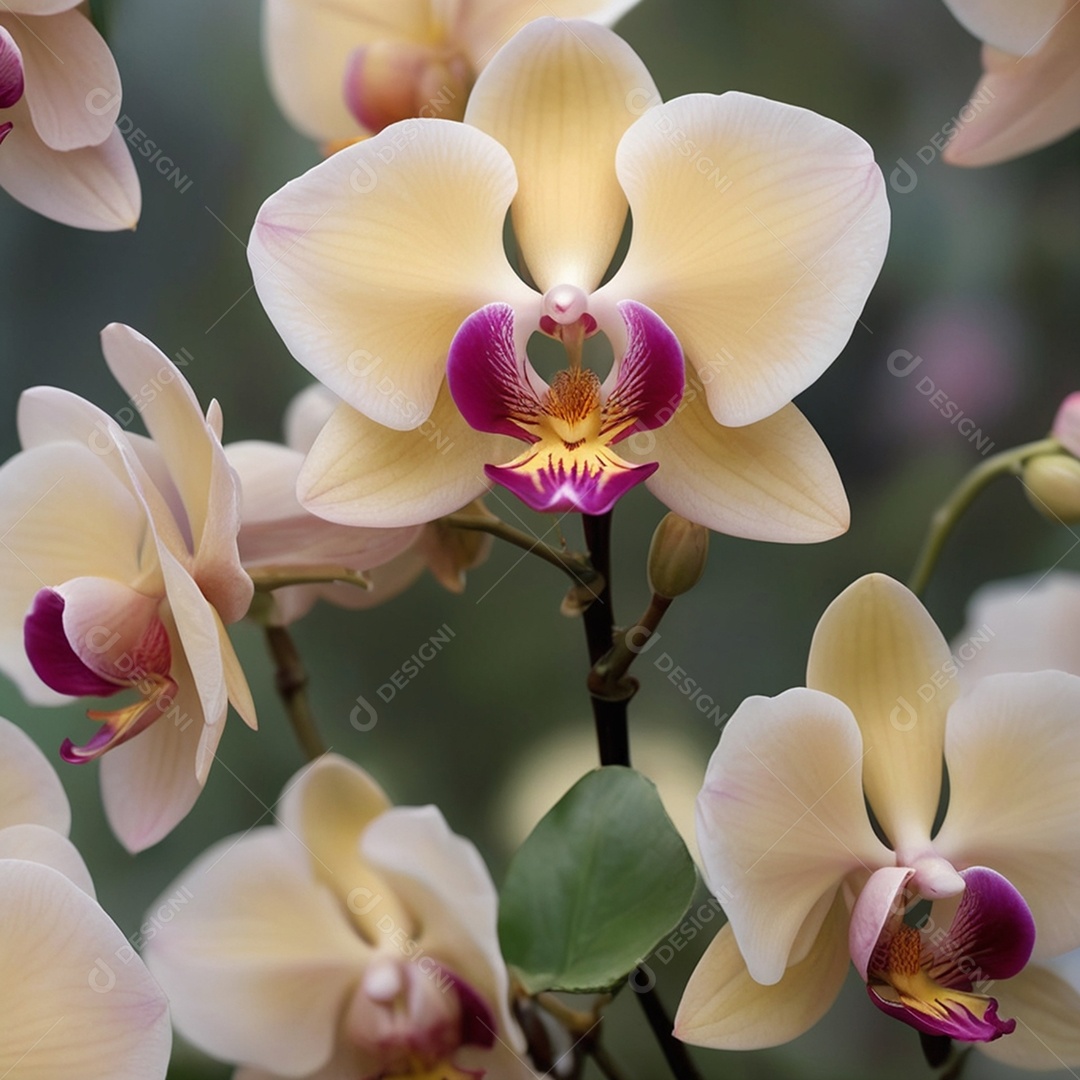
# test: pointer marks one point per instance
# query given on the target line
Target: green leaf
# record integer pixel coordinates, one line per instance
(596, 886)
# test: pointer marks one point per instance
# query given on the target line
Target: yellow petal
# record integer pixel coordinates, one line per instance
(38, 844)
(773, 480)
(723, 1008)
(878, 650)
(361, 473)
(485, 26)
(328, 806)
(559, 97)
(759, 230)
(368, 263)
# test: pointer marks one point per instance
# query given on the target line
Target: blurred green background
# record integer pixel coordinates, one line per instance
(981, 281)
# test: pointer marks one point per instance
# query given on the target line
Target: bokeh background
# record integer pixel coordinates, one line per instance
(981, 282)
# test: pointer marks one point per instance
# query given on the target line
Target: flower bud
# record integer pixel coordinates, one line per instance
(1066, 427)
(677, 556)
(1052, 484)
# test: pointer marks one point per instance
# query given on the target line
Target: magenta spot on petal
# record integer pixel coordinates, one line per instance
(486, 376)
(51, 655)
(11, 74)
(80, 755)
(651, 373)
(477, 1019)
(554, 488)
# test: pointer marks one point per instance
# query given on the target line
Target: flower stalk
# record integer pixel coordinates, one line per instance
(291, 682)
(948, 515)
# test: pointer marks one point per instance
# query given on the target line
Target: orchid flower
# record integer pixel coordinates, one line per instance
(118, 571)
(276, 531)
(62, 153)
(351, 938)
(342, 69)
(1029, 95)
(758, 231)
(808, 880)
(77, 999)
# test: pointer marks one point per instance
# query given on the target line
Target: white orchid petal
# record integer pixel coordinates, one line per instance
(1046, 1007)
(277, 530)
(149, 783)
(1022, 103)
(781, 820)
(30, 790)
(368, 315)
(878, 650)
(194, 459)
(69, 70)
(725, 1009)
(1023, 624)
(39, 844)
(1007, 25)
(74, 1009)
(361, 473)
(759, 230)
(772, 480)
(95, 187)
(1013, 751)
(559, 96)
(258, 957)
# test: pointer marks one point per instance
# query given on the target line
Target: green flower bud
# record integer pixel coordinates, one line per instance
(677, 556)
(1052, 484)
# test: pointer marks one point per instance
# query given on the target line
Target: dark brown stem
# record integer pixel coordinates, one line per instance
(675, 1052)
(291, 681)
(612, 727)
(608, 676)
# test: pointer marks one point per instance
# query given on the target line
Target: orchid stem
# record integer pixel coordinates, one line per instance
(577, 566)
(675, 1052)
(268, 578)
(608, 676)
(291, 680)
(959, 501)
(612, 726)
(613, 736)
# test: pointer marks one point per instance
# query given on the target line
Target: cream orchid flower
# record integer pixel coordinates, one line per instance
(118, 571)
(69, 1006)
(342, 69)
(352, 939)
(1029, 95)
(758, 230)
(807, 881)
(276, 531)
(59, 99)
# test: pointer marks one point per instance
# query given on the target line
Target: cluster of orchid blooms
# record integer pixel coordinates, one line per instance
(355, 940)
